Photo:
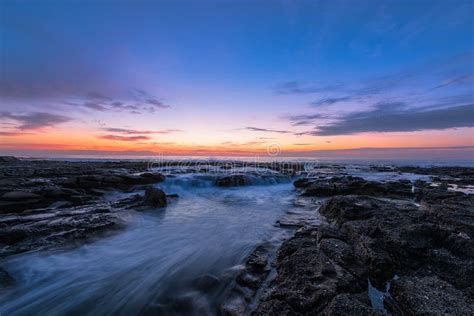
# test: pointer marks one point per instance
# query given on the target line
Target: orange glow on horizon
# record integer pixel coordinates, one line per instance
(84, 140)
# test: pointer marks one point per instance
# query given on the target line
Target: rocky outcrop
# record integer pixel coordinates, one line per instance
(55, 227)
(8, 159)
(29, 188)
(232, 180)
(114, 181)
(346, 185)
(317, 270)
(424, 253)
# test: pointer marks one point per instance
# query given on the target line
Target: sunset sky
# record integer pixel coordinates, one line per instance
(234, 77)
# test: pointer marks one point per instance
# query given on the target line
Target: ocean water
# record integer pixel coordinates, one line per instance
(152, 265)
(425, 161)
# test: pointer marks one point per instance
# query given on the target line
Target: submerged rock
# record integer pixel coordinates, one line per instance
(232, 180)
(6, 279)
(206, 283)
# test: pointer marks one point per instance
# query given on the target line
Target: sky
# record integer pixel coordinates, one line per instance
(234, 78)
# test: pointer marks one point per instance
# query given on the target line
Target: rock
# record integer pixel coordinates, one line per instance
(56, 227)
(430, 296)
(258, 259)
(248, 281)
(347, 304)
(4, 159)
(155, 197)
(431, 248)
(231, 181)
(302, 182)
(347, 185)
(112, 180)
(155, 177)
(19, 201)
(308, 278)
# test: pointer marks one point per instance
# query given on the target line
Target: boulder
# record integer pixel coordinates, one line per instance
(155, 197)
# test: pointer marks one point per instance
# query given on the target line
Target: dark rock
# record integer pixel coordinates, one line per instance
(155, 197)
(430, 296)
(347, 185)
(19, 201)
(325, 269)
(309, 278)
(258, 259)
(302, 182)
(55, 228)
(4, 159)
(155, 177)
(248, 281)
(232, 181)
(350, 304)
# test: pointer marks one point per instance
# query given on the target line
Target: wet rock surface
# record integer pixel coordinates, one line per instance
(50, 204)
(344, 185)
(32, 184)
(232, 180)
(417, 240)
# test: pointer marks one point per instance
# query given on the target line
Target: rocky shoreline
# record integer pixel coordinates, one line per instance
(411, 245)
(359, 246)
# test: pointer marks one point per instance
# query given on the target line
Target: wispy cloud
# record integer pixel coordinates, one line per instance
(329, 101)
(268, 130)
(142, 132)
(456, 81)
(137, 102)
(305, 119)
(125, 138)
(295, 87)
(142, 96)
(34, 120)
(3, 133)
